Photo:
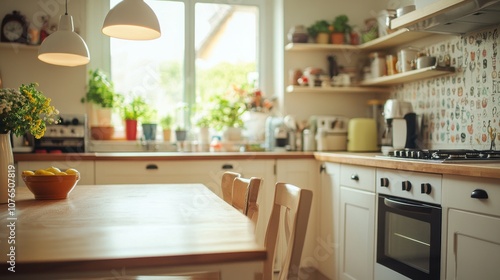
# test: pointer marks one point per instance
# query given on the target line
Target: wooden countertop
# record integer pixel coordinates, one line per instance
(488, 170)
(125, 228)
(130, 156)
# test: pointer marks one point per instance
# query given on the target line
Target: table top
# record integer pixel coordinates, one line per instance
(107, 227)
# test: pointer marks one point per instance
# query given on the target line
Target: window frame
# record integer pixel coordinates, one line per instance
(100, 53)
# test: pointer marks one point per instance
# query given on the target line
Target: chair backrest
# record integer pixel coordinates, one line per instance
(245, 193)
(296, 204)
(227, 185)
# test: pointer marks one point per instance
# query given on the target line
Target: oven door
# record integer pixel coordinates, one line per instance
(409, 237)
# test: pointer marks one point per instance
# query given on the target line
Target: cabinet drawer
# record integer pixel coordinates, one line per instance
(359, 177)
(457, 192)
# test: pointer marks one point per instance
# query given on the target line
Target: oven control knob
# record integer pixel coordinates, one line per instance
(406, 186)
(425, 188)
(384, 182)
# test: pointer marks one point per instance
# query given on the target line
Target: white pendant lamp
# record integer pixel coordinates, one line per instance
(64, 47)
(132, 20)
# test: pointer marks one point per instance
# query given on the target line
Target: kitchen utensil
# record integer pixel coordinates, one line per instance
(362, 135)
(401, 126)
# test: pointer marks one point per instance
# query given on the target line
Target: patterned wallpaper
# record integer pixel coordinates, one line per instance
(460, 111)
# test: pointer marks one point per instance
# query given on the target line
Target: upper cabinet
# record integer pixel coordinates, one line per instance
(450, 16)
(395, 39)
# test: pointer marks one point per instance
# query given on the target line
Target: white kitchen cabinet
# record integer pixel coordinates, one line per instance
(329, 221)
(208, 172)
(473, 227)
(86, 169)
(357, 222)
(303, 173)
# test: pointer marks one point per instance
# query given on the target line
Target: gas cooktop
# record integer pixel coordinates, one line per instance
(447, 155)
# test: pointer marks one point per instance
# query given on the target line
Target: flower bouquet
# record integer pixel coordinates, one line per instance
(25, 110)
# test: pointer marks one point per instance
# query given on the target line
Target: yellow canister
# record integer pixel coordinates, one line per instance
(362, 135)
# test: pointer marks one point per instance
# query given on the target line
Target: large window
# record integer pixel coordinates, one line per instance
(205, 48)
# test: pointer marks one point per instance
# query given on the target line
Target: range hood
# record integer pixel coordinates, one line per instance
(451, 16)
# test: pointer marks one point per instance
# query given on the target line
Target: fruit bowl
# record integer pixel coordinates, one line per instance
(51, 186)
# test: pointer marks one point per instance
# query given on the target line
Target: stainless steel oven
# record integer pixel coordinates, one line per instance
(408, 225)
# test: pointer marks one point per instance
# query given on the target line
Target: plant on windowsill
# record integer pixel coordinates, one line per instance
(103, 98)
(149, 123)
(166, 124)
(131, 113)
(225, 114)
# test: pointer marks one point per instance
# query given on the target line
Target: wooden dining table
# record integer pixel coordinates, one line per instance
(122, 231)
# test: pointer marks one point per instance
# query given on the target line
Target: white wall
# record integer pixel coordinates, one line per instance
(64, 85)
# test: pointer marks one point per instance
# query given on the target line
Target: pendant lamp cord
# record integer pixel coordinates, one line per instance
(66, 7)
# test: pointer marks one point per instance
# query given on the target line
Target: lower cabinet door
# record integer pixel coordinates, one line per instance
(357, 234)
(473, 246)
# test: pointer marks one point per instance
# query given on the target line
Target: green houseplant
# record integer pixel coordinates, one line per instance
(340, 29)
(225, 114)
(131, 113)
(103, 98)
(166, 123)
(320, 30)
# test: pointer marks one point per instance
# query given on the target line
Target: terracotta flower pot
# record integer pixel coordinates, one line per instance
(338, 38)
(131, 129)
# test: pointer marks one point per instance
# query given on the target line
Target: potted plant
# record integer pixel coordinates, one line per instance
(226, 115)
(131, 112)
(320, 30)
(149, 123)
(102, 98)
(166, 124)
(341, 29)
(180, 130)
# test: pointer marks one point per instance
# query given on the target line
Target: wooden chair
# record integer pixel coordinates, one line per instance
(227, 185)
(296, 204)
(244, 196)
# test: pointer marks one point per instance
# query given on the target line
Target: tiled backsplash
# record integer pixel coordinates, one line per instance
(461, 111)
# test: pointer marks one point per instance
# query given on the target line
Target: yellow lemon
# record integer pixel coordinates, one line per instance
(60, 173)
(43, 172)
(53, 169)
(28, 173)
(72, 171)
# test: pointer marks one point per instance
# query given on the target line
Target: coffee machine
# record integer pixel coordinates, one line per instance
(400, 126)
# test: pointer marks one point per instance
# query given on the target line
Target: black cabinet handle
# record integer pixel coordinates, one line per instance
(384, 182)
(479, 194)
(425, 188)
(152, 166)
(322, 168)
(227, 166)
(355, 177)
(406, 186)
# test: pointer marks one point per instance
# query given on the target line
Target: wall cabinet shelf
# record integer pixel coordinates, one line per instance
(353, 89)
(17, 46)
(379, 85)
(394, 39)
(413, 75)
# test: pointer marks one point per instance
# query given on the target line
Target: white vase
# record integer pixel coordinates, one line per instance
(7, 169)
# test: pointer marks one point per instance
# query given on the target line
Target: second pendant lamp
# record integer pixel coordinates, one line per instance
(132, 20)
